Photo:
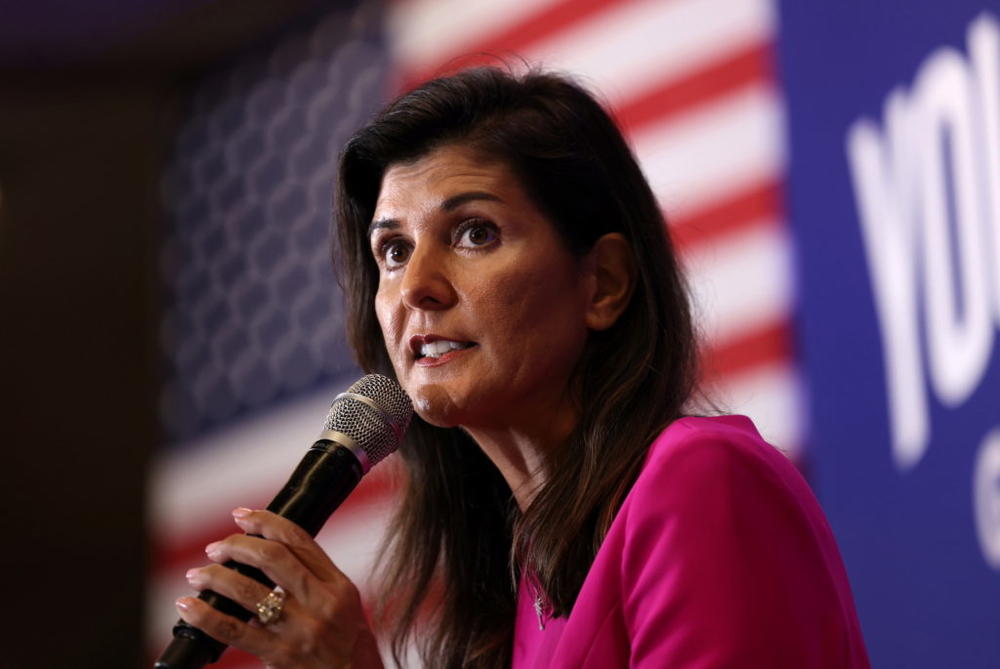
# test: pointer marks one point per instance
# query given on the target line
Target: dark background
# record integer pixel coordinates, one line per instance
(88, 97)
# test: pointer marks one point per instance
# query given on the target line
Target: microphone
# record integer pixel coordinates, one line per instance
(365, 424)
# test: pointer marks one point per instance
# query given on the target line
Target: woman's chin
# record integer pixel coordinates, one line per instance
(435, 406)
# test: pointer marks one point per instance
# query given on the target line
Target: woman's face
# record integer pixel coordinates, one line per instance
(481, 305)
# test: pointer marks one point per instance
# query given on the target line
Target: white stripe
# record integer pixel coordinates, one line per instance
(423, 32)
(233, 466)
(770, 396)
(701, 156)
(741, 283)
(622, 52)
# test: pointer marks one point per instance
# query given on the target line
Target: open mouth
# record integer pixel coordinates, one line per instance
(441, 347)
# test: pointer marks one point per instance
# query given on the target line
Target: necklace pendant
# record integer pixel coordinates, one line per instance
(539, 612)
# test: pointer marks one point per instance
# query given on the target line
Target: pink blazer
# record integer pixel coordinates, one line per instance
(719, 557)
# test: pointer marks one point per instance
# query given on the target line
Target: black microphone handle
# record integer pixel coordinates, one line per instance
(323, 479)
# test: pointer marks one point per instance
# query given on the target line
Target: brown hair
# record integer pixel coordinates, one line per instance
(457, 532)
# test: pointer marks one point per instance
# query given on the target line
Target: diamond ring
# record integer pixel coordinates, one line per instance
(269, 608)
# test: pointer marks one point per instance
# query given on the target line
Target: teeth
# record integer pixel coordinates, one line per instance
(438, 348)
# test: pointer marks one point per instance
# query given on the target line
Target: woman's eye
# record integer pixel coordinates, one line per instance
(395, 253)
(476, 233)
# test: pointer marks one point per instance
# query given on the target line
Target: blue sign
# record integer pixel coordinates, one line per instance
(894, 203)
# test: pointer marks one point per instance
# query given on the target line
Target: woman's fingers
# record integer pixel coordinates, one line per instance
(274, 558)
(322, 623)
(227, 582)
(305, 548)
(254, 639)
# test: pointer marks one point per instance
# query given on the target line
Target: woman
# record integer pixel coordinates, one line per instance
(505, 260)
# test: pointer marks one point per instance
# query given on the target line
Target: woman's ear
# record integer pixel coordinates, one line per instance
(611, 268)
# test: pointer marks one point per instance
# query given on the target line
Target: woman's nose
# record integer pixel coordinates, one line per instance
(426, 281)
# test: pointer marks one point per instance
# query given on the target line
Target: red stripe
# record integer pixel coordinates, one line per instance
(735, 70)
(176, 557)
(234, 658)
(767, 345)
(527, 32)
(759, 203)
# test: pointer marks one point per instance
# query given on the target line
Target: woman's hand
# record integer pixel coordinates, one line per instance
(322, 623)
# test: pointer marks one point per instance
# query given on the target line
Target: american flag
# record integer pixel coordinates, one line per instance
(692, 83)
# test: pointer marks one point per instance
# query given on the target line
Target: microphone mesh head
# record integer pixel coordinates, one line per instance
(377, 431)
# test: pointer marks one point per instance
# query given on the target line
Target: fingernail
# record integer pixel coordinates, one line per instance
(241, 512)
(190, 574)
(212, 548)
(184, 603)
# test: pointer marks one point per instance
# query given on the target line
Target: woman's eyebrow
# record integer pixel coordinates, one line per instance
(456, 201)
(450, 204)
(389, 223)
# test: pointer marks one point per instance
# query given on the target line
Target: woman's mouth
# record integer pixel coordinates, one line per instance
(431, 351)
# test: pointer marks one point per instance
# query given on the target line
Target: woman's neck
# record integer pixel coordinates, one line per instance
(520, 449)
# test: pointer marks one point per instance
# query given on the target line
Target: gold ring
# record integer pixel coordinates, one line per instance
(269, 608)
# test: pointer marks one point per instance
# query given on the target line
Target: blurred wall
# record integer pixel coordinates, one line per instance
(86, 113)
(78, 221)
